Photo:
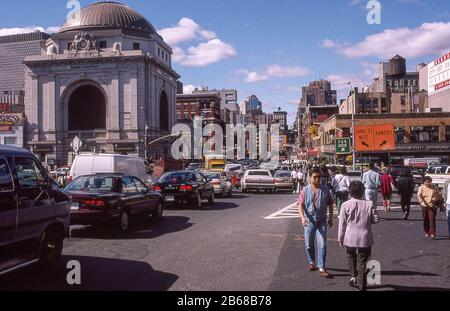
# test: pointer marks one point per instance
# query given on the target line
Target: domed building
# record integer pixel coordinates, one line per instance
(106, 77)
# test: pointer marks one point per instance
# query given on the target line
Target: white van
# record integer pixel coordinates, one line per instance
(234, 168)
(88, 164)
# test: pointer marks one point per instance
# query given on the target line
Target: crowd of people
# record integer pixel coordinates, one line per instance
(356, 204)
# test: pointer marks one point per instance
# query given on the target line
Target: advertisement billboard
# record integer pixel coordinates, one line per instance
(439, 75)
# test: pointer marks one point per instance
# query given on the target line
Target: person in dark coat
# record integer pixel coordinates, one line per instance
(405, 187)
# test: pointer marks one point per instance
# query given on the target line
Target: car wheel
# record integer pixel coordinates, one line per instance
(51, 247)
(244, 190)
(211, 198)
(158, 212)
(124, 221)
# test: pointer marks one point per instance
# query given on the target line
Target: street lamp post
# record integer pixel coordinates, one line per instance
(353, 128)
(146, 142)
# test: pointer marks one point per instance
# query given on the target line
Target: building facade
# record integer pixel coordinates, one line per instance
(105, 77)
(12, 129)
(229, 109)
(281, 117)
(417, 135)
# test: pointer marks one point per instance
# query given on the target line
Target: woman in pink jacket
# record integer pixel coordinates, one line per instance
(355, 233)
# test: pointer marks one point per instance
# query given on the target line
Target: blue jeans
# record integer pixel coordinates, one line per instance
(372, 195)
(319, 230)
(448, 218)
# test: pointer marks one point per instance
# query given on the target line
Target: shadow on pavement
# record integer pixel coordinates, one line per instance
(99, 274)
(148, 229)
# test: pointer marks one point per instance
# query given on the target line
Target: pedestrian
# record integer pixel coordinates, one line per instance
(294, 179)
(447, 189)
(371, 181)
(405, 188)
(340, 184)
(386, 181)
(325, 180)
(300, 181)
(428, 196)
(355, 233)
(316, 213)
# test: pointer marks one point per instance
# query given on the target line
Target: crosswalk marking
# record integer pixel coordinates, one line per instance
(291, 212)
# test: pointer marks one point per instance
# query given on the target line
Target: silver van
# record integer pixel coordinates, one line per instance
(34, 212)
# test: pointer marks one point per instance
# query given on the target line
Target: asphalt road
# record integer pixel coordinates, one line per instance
(232, 246)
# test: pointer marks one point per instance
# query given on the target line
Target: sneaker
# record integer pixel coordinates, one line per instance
(427, 236)
(312, 267)
(325, 274)
(433, 237)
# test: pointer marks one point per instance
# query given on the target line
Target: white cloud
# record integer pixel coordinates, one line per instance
(355, 2)
(209, 51)
(273, 71)
(427, 39)
(28, 29)
(370, 70)
(189, 88)
(331, 44)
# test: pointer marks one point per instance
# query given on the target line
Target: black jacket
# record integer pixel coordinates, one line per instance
(405, 185)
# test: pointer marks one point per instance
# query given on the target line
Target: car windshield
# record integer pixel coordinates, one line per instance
(217, 166)
(93, 184)
(177, 178)
(258, 173)
(283, 174)
(234, 169)
(212, 175)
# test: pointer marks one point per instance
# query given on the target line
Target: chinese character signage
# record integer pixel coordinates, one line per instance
(343, 146)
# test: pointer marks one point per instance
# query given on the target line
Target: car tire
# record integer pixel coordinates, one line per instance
(244, 190)
(124, 221)
(158, 212)
(51, 247)
(211, 198)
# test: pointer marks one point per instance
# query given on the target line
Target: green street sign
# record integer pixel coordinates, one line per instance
(343, 146)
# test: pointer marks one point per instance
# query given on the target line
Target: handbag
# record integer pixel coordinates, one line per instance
(438, 200)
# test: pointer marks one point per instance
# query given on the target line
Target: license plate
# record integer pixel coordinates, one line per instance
(170, 199)
(75, 206)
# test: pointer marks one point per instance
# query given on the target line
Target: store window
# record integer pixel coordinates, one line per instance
(447, 134)
(10, 140)
(425, 134)
(399, 133)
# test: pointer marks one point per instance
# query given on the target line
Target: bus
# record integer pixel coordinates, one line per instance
(421, 162)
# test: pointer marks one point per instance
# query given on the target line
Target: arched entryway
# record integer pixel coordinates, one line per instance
(87, 109)
(164, 112)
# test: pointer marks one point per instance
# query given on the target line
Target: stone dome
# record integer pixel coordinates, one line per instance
(108, 15)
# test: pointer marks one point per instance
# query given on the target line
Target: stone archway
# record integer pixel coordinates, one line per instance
(164, 112)
(86, 109)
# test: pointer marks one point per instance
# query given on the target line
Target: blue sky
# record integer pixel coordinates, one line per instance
(272, 48)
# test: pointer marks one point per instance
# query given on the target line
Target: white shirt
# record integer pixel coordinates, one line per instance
(300, 175)
(294, 175)
(340, 183)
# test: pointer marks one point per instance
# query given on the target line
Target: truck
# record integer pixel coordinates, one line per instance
(439, 173)
(215, 162)
(421, 162)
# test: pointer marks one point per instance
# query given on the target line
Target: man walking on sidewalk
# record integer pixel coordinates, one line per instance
(315, 203)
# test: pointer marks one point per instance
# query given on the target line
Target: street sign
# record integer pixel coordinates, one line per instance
(76, 144)
(374, 138)
(343, 146)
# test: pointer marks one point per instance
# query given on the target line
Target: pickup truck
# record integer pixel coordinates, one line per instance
(439, 173)
(258, 180)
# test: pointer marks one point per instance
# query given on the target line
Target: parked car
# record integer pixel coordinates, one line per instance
(34, 212)
(258, 180)
(439, 173)
(221, 183)
(284, 181)
(112, 199)
(88, 164)
(355, 175)
(185, 187)
(418, 175)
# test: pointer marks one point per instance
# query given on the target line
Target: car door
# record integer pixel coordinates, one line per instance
(149, 199)
(8, 205)
(133, 196)
(36, 207)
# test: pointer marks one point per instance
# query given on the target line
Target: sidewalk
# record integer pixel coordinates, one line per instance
(409, 261)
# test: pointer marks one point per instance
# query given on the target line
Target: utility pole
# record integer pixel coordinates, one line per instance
(353, 125)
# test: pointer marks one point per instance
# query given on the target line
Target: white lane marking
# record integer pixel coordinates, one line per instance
(291, 212)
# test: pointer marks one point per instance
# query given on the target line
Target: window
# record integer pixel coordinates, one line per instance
(30, 176)
(426, 134)
(102, 45)
(93, 184)
(140, 186)
(399, 135)
(10, 140)
(403, 100)
(128, 185)
(159, 52)
(6, 180)
(136, 46)
(69, 45)
(447, 134)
